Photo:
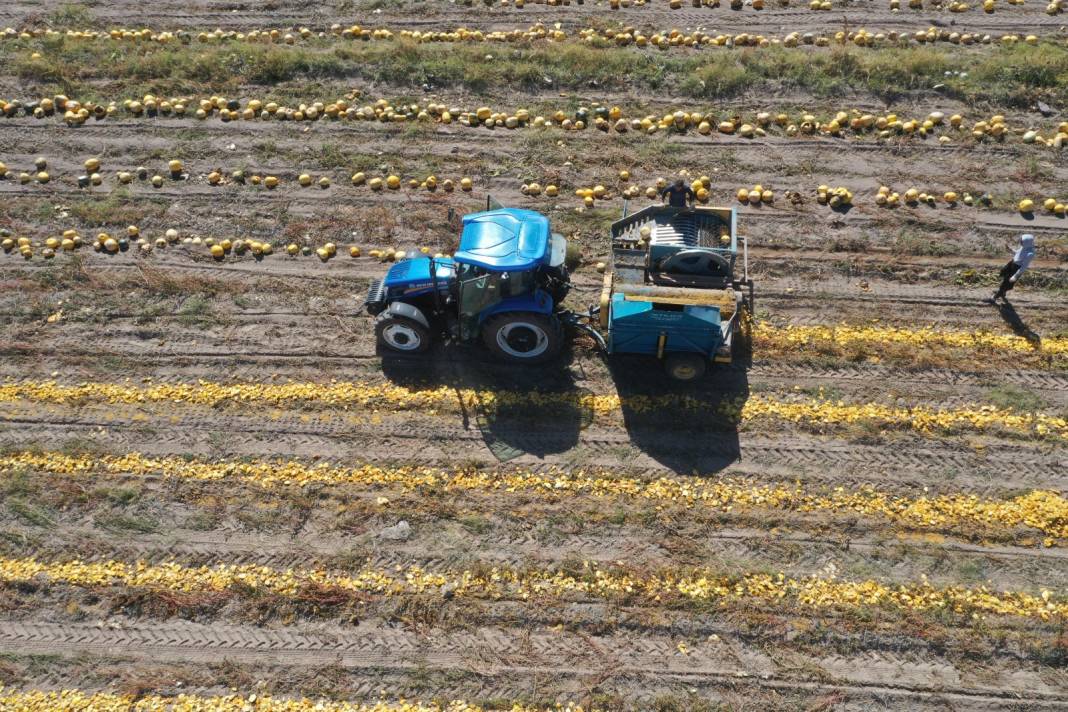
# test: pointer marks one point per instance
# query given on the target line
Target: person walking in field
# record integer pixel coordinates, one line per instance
(1019, 263)
(679, 194)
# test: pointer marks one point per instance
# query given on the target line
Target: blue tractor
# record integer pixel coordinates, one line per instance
(504, 285)
(673, 292)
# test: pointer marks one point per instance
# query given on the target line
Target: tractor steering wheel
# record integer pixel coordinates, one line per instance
(695, 262)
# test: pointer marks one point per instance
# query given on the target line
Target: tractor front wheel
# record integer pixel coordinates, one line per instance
(685, 366)
(523, 337)
(401, 334)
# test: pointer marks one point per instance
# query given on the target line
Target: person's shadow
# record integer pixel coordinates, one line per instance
(1018, 325)
(518, 409)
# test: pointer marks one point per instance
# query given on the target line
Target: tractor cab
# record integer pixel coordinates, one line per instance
(507, 259)
(504, 285)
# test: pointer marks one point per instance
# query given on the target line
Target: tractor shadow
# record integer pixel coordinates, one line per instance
(695, 434)
(519, 410)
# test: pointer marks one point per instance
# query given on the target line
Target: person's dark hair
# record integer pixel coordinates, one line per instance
(678, 182)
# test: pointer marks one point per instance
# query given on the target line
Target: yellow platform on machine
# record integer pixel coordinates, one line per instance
(725, 299)
(606, 299)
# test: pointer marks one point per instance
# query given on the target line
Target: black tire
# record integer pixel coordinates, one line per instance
(510, 335)
(400, 334)
(685, 366)
(742, 346)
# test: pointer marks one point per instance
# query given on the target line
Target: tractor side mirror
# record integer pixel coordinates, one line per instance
(455, 220)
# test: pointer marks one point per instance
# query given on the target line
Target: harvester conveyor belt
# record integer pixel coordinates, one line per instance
(670, 227)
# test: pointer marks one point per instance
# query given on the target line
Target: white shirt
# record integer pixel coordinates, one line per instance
(1024, 253)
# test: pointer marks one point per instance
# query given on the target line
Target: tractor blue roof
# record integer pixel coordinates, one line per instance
(504, 240)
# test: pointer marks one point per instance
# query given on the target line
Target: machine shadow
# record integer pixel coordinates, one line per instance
(700, 436)
(519, 410)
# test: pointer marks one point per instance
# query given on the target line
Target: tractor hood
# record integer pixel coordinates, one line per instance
(414, 274)
(504, 240)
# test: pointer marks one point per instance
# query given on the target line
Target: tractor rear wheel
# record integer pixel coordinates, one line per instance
(685, 366)
(524, 337)
(401, 334)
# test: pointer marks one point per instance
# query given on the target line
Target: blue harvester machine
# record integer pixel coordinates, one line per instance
(672, 291)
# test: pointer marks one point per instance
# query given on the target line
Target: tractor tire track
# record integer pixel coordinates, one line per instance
(1005, 567)
(303, 325)
(392, 442)
(777, 289)
(315, 202)
(573, 16)
(188, 358)
(494, 652)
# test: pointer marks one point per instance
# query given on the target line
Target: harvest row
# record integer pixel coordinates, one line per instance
(621, 186)
(872, 342)
(879, 341)
(1046, 512)
(813, 411)
(78, 701)
(677, 587)
(597, 37)
(792, 336)
(954, 129)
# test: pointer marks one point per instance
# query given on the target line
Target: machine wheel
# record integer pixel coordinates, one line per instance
(401, 334)
(743, 332)
(685, 366)
(523, 337)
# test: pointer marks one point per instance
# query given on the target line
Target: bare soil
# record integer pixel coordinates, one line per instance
(177, 316)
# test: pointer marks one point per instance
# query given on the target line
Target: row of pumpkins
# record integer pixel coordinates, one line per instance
(626, 35)
(888, 198)
(860, 37)
(106, 243)
(71, 240)
(176, 170)
(1054, 7)
(701, 187)
(293, 35)
(605, 119)
(537, 31)
(834, 197)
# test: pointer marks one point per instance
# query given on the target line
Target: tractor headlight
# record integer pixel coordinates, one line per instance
(557, 250)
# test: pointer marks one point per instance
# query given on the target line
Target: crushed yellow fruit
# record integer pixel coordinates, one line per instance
(78, 701)
(795, 408)
(498, 583)
(1046, 511)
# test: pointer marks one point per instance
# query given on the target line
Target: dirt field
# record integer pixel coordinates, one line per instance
(212, 483)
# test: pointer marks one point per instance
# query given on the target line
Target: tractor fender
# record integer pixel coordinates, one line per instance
(407, 310)
(538, 302)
